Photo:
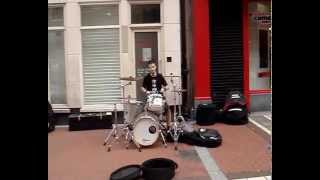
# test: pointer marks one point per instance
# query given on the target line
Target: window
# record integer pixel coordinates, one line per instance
(264, 50)
(56, 61)
(145, 13)
(100, 54)
(55, 16)
(99, 15)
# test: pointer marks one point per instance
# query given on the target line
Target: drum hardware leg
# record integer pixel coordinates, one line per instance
(181, 123)
(176, 146)
(163, 127)
(163, 139)
(109, 145)
(175, 137)
(127, 138)
(112, 133)
(127, 145)
(116, 138)
(175, 133)
(161, 116)
(134, 142)
(178, 120)
(138, 146)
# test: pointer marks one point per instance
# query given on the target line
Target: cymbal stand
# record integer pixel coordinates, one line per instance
(176, 128)
(116, 129)
(129, 135)
(126, 118)
(179, 116)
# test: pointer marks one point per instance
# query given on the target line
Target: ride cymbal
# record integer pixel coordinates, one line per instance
(130, 78)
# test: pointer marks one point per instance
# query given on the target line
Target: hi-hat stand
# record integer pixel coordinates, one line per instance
(176, 129)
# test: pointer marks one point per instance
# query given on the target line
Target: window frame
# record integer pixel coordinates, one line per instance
(59, 107)
(57, 5)
(145, 3)
(100, 26)
(98, 107)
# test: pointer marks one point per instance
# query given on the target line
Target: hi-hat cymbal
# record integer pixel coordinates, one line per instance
(130, 78)
(131, 101)
(180, 90)
(126, 98)
(172, 76)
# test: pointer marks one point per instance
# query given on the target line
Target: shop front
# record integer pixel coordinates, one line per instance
(231, 51)
(260, 54)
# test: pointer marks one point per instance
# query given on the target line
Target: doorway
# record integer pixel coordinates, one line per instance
(146, 49)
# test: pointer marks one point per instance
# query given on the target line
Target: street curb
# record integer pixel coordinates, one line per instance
(259, 129)
(260, 126)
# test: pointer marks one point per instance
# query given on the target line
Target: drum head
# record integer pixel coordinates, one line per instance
(155, 103)
(146, 129)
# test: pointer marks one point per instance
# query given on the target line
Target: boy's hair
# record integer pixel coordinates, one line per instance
(151, 62)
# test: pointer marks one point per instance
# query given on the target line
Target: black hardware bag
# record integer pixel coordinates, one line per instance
(90, 121)
(203, 137)
(206, 114)
(235, 108)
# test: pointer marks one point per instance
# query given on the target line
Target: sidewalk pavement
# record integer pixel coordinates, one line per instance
(80, 155)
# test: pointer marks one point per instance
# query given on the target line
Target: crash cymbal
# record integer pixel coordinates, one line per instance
(130, 78)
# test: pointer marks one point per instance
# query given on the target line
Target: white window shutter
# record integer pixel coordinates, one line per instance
(101, 66)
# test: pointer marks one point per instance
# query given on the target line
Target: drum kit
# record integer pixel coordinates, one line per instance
(143, 128)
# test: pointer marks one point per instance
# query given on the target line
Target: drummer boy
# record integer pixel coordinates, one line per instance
(154, 82)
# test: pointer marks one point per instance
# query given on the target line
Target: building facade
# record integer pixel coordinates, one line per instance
(214, 45)
(91, 44)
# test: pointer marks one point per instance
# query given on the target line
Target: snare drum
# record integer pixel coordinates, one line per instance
(155, 103)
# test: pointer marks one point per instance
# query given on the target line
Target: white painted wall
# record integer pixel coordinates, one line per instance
(73, 54)
(172, 44)
(169, 44)
(255, 81)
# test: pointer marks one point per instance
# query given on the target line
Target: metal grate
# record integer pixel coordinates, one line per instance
(226, 64)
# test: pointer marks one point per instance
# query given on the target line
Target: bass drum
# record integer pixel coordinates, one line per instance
(146, 129)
